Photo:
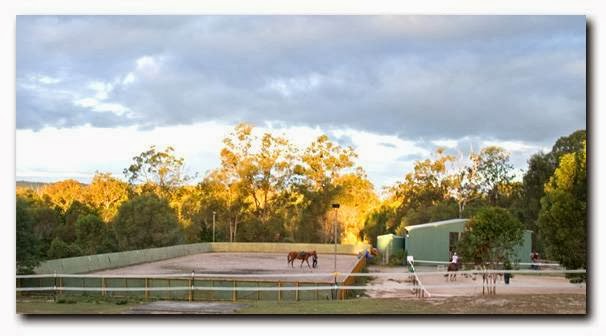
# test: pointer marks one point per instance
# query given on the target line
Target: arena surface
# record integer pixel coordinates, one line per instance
(242, 263)
(391, 286)
(394, 286)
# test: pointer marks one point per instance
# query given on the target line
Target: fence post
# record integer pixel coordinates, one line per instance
(297, 292)
(317, 291)
(279, 292)
(102, 286)
(191, 288)
(212, 291)
(258, 292)
(234, 296)
(146, 292)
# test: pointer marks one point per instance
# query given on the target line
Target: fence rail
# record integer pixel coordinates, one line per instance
(235, 287)
(327, 276)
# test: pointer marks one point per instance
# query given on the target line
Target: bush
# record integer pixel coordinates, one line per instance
(397, 259)
(60, 249)
(146, 221)
(491, 236)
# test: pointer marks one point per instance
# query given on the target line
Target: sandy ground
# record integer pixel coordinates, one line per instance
(240, 263)
(439, 286)
(393, 286)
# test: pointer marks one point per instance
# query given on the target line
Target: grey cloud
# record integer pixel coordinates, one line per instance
(343, 140)
(410, 157)
(505, 77)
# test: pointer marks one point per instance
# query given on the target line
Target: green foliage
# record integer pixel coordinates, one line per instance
(563, 216)
(161, 169)
(28, 255)
(66, 230)
(146, 221)
(60, 249)
(92, 235)
(267, 189)
(378, 222)
(494, 171)
(541, 167)
(397, 258)
(45, 219)
(490, 237)
(573, 143)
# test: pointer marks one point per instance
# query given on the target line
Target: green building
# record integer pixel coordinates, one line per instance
(390, 244)
(435, 241)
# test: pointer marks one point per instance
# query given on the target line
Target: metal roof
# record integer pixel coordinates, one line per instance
(434, 224)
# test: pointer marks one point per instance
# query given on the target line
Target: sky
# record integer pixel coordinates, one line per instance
(94, 91)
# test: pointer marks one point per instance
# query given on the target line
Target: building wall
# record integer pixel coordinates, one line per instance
(431, 242)
(390, 241)
(523, 251)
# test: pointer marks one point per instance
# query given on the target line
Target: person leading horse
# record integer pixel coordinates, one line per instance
(304, 257)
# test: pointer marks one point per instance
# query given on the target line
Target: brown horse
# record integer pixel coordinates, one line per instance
(303, 256)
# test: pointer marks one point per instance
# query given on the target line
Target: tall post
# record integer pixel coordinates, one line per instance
(336, 207)
(214, 213)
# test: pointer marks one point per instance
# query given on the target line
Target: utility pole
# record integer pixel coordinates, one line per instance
(336, 207)
(214, 213)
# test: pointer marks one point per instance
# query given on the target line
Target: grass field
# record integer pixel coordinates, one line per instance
(46, 307)
(500, 304)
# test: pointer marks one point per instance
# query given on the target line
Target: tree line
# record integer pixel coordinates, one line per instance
(268, 189)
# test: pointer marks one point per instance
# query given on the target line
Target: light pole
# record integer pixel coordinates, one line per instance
(336, 207)
(214, 213)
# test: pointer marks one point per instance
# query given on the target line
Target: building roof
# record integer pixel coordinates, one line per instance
(434, 224)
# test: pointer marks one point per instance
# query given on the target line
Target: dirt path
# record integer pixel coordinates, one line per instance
(179, 307)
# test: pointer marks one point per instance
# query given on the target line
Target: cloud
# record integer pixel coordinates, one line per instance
(508, 78)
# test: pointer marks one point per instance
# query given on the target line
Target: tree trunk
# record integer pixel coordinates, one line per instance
(231, 231)
(461, 208)
(235, 227)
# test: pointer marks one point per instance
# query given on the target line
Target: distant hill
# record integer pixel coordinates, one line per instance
(31, 185)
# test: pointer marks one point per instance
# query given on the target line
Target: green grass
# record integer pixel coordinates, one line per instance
(74, 304)
(41, 307)
(500, 304)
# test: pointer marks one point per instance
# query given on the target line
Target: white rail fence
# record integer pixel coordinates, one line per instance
(323, 283)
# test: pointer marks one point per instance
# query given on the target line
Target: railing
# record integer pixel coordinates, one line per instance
(349, 278)
(191, 287)
(418, 287)
(234, 287)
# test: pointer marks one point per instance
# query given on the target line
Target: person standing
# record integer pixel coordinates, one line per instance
(534, 258)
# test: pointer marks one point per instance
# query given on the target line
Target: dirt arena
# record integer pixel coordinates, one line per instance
(439, 286)
(241, 263)
(393, 286)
